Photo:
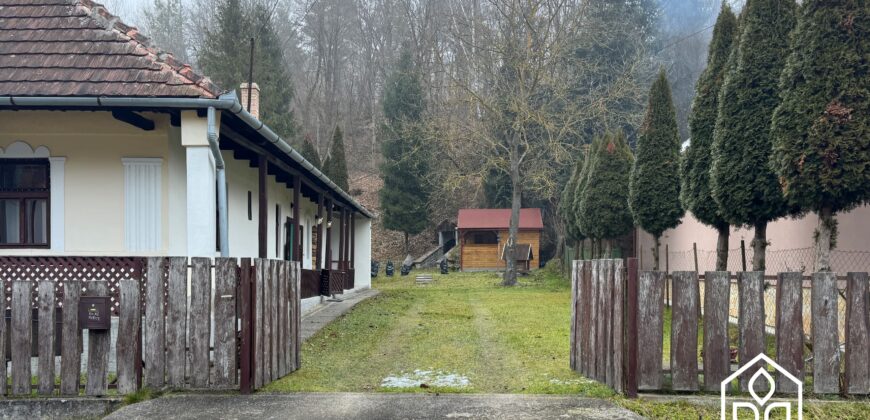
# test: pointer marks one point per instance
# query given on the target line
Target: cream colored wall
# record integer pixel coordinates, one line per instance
(94, 144)
(791, 243)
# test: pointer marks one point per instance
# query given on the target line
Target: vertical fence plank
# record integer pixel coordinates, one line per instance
(226, 278)
(857, 334)
(826, 349)
(618, 324)
(46, 337)
(650, 309)
(21, 336)
(154, 345)
(176, 322)
(717, 353)
(297, 314)
(789, 330)
(70, 355)
(588, 312)
(607, 293)
(751, 321)
(98, 348)
(287, 276)
(594, 324)
(282, 323)
(246, 313)
(127, 348)
(275, 318)
(631, 342)
(578, 307)
(268, 317)
(3, 335)
(572, 356)
(200, 321)
(684, 331)
(259, 321)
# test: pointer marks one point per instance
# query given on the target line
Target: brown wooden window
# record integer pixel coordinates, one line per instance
(24, 203)
(482, 238)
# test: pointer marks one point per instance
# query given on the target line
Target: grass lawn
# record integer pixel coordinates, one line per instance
(466, 333)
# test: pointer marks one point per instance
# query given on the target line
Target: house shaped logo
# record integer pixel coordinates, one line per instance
(761, 404)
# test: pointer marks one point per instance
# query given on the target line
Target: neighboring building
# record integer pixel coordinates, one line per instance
(113, 148)
(483, 234)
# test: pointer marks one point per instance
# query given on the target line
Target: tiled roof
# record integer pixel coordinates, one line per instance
(77, 48)
(498, 219)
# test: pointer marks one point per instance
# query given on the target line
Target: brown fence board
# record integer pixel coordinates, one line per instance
(200, 321)
(750, 321)
(176, 323)
(274, 318)
(789, 330)
(71, 356)
(717, 354)
(246, 315)
(631, 327)
(226, 278)
(98, 348)
(595, 327)
(618, 324)
(826, 354)
(154, 345)
(297, 313)
(21, 336)
(127, 347)
(651, 326)
(282, 321)
(607, 306)
(684, 331)
(259, 334)
(575, 300)
(857, 334)
(46, 337)
(587, 324)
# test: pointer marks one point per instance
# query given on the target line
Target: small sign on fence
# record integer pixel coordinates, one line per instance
(94, 313)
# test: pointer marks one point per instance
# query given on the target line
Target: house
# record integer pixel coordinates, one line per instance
(483, 234)
(111, 147)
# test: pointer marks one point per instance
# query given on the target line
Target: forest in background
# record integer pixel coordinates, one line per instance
(559, 72)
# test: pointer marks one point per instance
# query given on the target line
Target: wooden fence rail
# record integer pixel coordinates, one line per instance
(177, 324)
(618, 317)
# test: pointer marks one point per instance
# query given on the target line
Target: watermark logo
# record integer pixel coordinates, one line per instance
(761, 383)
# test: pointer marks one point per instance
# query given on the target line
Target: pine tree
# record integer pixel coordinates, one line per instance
(225, 57)
(566, 205)
(605, 199)
(741, 178)
(820, 129)
(165, 21)
(405, 194)
(581, 224)
(695, 172)
(335, 166)
(309, 152)
(655, 178)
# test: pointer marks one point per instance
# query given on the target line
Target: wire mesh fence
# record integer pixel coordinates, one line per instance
(776, 261)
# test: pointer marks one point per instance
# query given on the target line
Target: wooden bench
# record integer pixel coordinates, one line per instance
(424, 279)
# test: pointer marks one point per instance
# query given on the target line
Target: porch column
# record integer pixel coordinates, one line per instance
(328, 262)
(319, 227)
(352, 239)
(56, 172)
(201, 194)
(297, 225)
(341, 239)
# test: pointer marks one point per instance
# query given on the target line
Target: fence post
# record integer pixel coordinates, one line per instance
(826, 351)
(21, 336)
(630, 356)
(743, 254)
(857, 338)
(247, 333)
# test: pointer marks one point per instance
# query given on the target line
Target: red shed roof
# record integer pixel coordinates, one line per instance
(77, 48)
(498, 219)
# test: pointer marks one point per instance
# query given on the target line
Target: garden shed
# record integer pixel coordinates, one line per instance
(483, 234)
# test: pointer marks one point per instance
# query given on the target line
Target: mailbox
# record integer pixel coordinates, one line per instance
(94, 313)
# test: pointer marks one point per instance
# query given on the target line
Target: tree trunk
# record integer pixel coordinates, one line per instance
(722, 248)
(407, 245)
(608, 247)
(510, 272)
(656, 252)
(578, 250)
(759, 246)
(825, 234)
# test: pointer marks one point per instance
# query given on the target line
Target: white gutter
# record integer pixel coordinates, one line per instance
(226, 102)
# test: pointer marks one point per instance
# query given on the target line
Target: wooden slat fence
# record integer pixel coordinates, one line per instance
(180, 323)
(618, 316)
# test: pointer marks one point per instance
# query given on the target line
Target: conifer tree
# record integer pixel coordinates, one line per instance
(335, 166)
(655, 176)
(605, 198)
(566, 206)
(309, 152)
(695, 173)
(405, 168)
(820, 129)
(741, 178)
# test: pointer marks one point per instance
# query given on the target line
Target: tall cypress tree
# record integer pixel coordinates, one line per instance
(821, 128)
(566, 206)
(405, 168)
(695, 173)
(582, 224)
(742, 180)
(335, 166)
(655, 177)
(605, 199)
(309, 152)
(225, 57)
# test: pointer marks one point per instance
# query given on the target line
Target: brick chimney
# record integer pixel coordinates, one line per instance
(255, 99)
